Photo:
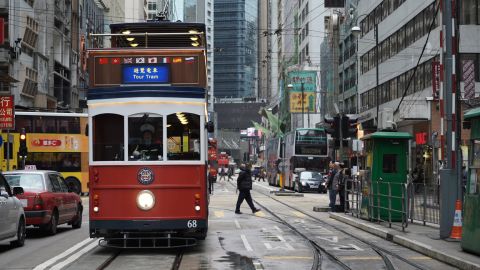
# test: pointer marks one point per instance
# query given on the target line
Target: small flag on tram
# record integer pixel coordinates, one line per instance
(166, 60)
(140, 60)
(103, 61)
(177, 60)
(189, 60)
(152, 60)
(128, 60)
(116, 61)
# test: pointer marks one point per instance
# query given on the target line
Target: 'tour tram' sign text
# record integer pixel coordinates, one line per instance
(159, 73)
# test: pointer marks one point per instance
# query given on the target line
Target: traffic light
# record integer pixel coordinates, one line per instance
(334, 126)
(349, 127)
(23, 150)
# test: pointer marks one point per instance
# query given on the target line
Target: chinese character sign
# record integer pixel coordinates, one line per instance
(309, 81)
(7, 113)
(308, 105)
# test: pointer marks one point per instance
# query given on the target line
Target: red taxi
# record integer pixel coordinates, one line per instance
(46, 200)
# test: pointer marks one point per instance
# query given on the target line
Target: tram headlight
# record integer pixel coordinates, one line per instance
(304, 183)
(145, 200)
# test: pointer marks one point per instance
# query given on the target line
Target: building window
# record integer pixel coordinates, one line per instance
(469, 12)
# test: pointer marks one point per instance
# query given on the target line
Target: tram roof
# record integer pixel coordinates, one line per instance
(388, 135)
(151, 28)
(475, 112)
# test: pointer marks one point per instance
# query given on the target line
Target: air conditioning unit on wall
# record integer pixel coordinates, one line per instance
(385, 120)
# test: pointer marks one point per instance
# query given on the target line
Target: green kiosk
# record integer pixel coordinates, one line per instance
(471, 214)
(383, 181)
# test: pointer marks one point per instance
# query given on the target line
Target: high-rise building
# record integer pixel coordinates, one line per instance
(236, 43)
(135, 11)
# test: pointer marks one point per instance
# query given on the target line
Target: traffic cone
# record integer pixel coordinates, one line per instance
(457, 221)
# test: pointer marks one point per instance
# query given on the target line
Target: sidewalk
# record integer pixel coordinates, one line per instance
(423, 239)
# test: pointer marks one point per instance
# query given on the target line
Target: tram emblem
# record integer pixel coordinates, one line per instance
(145, 176)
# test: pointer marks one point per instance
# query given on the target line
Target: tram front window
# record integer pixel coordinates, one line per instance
(145, 135)
(183, 133)
(107, 137)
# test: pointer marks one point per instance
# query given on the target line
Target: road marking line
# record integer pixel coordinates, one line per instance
(298, 214)
(75, 256)
(331, 239)
(277, 228)
(237, 224)
(219, 214)
(286, 247)
(288, 258)
(245, 243)
(258, 265)
(259, 214)
(359, 258)
(265, 187)
(62, 255)
(420, 258)
(280, 238)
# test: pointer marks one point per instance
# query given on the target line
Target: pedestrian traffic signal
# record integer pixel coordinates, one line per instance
(334, 126)
(349, 127)
(23, 150)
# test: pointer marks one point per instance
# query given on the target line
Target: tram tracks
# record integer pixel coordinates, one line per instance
(382, 252)
(117, 253)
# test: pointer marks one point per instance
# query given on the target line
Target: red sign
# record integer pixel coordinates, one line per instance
(2, 32)
(421, 138)
(7, 113)
(436, 80)
(46, 142)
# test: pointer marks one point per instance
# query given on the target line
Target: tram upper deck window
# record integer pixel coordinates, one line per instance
(183, 133)
(108, 137)
(145, 136)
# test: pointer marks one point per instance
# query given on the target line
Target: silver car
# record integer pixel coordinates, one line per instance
(12, 216)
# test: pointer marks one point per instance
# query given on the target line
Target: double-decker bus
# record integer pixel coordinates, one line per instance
(306, 149)
(55, 140)
(272, 157)
(148, 146)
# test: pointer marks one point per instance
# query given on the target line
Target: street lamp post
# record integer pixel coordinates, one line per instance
(356, 32)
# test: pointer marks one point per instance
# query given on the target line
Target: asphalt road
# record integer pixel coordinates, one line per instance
(278, 237)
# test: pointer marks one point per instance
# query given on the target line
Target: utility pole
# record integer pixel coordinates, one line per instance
(448, 187)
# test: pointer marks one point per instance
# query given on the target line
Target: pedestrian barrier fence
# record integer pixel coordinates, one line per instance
(377, 201)
(424, 203)
(393, 203)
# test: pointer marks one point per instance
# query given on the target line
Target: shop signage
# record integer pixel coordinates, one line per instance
(421, 138)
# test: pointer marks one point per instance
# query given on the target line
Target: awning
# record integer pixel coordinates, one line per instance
(6, 78)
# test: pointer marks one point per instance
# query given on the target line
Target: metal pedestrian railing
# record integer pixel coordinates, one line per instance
(424, 203)
(379, 201)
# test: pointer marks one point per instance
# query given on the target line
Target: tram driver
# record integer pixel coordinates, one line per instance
(148, 149)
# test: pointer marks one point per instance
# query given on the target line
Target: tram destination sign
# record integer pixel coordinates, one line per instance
(157, 73)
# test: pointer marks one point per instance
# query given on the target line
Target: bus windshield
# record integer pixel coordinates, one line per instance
(311, 142)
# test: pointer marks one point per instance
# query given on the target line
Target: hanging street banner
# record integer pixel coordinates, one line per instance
(309, 80)
(7, 112)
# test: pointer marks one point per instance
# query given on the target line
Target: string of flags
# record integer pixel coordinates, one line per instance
(144, 60)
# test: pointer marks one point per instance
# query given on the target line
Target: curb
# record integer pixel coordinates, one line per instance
(321, 209)
(409, 243)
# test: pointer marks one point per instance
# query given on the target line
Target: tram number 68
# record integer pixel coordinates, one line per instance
(192, 223)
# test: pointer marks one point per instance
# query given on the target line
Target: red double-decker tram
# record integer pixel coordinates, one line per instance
(147, 109)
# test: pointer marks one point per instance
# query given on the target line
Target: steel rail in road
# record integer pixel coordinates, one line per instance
(175, 265)
(319, 251)
(381, 251)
